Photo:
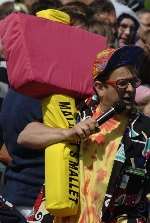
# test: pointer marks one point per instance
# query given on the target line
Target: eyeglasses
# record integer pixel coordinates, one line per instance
(123, 83)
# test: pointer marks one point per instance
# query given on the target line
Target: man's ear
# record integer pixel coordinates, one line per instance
(99, 88)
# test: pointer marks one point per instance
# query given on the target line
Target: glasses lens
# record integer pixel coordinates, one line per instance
(136, 82)
(123, 83)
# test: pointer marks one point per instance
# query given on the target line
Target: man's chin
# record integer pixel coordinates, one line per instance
(130, 107)
(122, 43)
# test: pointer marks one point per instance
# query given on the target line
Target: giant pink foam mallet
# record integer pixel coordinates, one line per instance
(45, 57)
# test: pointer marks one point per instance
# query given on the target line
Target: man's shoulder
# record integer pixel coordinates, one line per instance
(20, 100)
(142, 123)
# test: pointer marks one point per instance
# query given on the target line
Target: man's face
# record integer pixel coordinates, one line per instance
(111, 93)
(144, 20)
(108, 18)
(126, 32)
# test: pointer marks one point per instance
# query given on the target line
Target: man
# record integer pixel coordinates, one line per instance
(103, 11)
(144, 20)
(114, 162)
(78, 13)
(29, 3)
(143, 99)
(24, 174)
(25, 166)
(144, 35)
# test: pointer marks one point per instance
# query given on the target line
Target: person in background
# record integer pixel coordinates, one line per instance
(122, 9)
(143, 99)
(114, 159)
(144, 20)
(78, 12)
(24, 175)
(9, 7)
(103, 29)
(103, 11)
(6, 7)
(28, 3)
(26, 166)
(43, 5)
(143, 37)
(144, 42)
(127, 27)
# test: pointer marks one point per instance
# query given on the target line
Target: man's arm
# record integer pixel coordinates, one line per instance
(38, 136)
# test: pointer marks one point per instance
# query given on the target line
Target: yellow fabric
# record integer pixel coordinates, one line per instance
(96, 162)
(54, 15)
(61, 159)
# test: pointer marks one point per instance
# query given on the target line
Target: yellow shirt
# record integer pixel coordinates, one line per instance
(96, 162)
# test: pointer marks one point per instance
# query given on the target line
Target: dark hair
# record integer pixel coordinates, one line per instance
(6, 9)
(77, 11)
(124, 16)
(56, 3)
(79, 5)
(38, 6)
(101, 6)
(104, 76)
(101, 28)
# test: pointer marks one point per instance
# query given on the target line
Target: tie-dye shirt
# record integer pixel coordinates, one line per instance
(115, 173)
(96, 160)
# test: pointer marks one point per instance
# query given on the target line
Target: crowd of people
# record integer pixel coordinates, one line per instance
(114, 158)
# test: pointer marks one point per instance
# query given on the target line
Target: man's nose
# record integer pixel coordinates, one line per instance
(130, 87)
(127, 31)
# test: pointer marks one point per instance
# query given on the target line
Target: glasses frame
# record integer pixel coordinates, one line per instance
(135, 82)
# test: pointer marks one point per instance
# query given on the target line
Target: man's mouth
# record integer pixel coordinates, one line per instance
(123, 41)
(128, 100)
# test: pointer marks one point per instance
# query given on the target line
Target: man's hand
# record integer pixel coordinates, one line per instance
(83, 130)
